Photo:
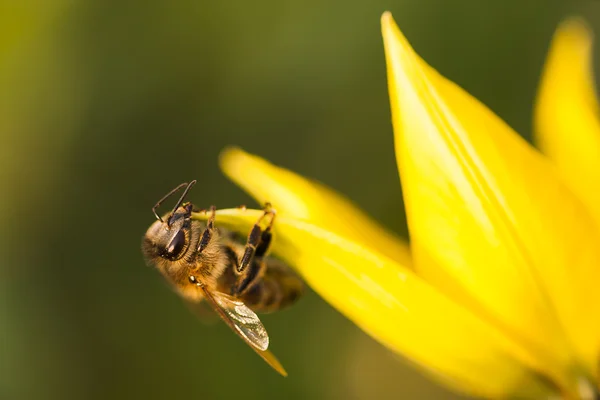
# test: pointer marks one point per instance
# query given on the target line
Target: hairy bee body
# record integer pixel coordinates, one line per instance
(203, 263)
(273, 287)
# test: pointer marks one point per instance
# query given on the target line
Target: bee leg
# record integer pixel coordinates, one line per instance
(265, 242)
(250, 268)
(256, 238)
(248, 278)
(208, 231)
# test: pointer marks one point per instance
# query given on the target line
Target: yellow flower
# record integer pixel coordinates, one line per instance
(497, 295)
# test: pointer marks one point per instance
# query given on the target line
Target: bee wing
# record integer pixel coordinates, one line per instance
(243, 321)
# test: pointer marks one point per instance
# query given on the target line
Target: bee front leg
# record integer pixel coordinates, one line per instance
(208, 231)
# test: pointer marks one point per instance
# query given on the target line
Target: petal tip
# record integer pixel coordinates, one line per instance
(389, 29)
(574, 33)
(230, 156)
(396, 45)
(386, 19)
(576, 25)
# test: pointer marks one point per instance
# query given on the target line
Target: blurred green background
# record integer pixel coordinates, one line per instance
(107, 105)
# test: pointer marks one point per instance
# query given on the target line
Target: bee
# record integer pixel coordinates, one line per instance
(204, 263)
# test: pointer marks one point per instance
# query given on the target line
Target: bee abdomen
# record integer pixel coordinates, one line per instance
(279, 287)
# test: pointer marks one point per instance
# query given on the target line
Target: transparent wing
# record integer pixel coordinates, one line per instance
(244, 320)
(245, 323)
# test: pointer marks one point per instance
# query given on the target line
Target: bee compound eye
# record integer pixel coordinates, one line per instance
(175, 247)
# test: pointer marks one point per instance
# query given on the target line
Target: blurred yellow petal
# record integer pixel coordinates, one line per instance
(567, 119)
(308, 200)
(402, 311)
(491, 224)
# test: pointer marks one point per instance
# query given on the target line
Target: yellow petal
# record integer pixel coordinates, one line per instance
(309, 200)
(401, 310)
(491, 224)
(567, 122)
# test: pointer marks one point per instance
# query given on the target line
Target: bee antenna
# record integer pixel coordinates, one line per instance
(185, 192)
(169, 195)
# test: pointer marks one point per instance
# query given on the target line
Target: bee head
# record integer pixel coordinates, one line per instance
(169, 236)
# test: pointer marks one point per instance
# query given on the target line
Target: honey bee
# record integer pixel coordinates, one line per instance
(205, 263)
